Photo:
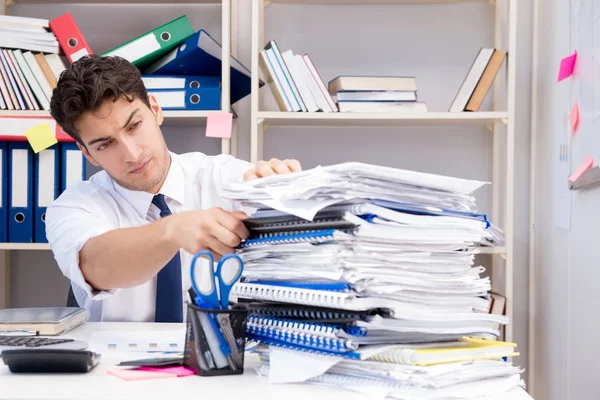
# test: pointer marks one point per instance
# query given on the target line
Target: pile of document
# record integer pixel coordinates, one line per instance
(364, 275)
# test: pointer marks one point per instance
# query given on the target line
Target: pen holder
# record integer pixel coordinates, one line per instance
(215, 340)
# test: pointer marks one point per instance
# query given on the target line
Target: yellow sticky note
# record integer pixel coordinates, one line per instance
(40, 137)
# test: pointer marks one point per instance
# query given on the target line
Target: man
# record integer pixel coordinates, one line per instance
(126, 236)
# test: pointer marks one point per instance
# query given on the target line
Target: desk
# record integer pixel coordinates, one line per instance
(97, 384)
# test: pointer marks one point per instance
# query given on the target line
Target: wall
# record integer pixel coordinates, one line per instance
(436, 43)
(565, 323)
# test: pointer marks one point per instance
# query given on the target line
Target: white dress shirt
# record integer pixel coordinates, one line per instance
(93, 207)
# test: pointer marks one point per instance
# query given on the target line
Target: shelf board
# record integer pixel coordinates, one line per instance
(24, 246)
(492, 250)
(371, 2)
(171, 117)
(378, 119)
(12, 2)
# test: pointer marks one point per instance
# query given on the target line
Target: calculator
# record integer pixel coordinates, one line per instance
(20, 342)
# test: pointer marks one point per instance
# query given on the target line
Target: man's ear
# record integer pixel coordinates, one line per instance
(87, 155)
(155, 107)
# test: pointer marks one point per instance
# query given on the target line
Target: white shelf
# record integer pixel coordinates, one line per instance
(24, 246)
(171, 117)
(371, 2)
(12, 2)
(277, 118)
(492, 250)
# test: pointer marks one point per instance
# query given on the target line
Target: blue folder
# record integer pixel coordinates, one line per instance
(20, 192)
(72, 166)
(47, 188)
(200, 54)
(3, 192)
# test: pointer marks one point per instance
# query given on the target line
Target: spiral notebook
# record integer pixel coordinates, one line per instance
(309, 297)
(309, 313)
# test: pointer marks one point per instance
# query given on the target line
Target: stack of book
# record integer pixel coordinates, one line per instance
(30, 63)
(376, 94)
(181, 68)
(363, 277)
(297, 86)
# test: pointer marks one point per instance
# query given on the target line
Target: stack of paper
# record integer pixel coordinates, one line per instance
(369, 256)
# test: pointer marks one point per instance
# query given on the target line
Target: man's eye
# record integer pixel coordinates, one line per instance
(103, 145)
(135, 125)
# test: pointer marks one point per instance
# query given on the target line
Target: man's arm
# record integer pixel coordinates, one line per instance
(129, 257)
(126, 257)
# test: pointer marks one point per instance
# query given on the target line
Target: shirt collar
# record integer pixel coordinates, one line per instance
(173, 188)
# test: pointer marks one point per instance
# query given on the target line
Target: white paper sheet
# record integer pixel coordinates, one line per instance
(287, 366)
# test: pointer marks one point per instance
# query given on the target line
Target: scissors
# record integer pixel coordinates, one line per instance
(229, 270)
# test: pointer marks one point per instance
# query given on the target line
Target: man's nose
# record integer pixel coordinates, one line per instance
(131, 150)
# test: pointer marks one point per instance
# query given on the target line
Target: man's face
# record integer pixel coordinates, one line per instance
(125, 140)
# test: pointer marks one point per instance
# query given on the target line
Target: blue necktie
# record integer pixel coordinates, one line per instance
(169, 301)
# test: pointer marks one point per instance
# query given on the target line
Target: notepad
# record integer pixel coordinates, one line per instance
(472, 349)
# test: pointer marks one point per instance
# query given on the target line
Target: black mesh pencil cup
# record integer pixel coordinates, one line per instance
(215, 340)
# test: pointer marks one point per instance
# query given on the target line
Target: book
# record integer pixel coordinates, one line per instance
(372, 83)
(485, 83)
(48, 321)
(471, 79)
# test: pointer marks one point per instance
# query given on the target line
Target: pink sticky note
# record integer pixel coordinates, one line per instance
(218, 125)
(567, 65)
(574, 117)
(585, 165)
(177, 371)
(136, 374)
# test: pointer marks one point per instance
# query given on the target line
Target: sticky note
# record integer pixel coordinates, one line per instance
(567, 65)
(218, 125)
(585, 165)
(40, 137)
(574, 117)
(177, 371)
(136, 374)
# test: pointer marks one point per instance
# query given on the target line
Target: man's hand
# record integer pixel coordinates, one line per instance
(214, 229)
(272, 167)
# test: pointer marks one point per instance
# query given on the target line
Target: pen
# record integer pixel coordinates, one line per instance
(19, 332)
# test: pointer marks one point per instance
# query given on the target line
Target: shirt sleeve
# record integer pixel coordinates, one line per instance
(225, 169)
(74, 218)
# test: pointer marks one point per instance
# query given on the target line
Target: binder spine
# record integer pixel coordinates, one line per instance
(307, 314)
(302, 339)
(320, 298)
(346, 354)
(297, 237)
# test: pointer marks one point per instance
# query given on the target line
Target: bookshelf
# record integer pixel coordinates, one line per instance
(228, 146)
(198, 118)
(500, 121)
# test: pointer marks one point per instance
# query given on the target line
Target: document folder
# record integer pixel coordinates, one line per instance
(47, 188)
(147, 48)
(20, 203)
(73, 168)
(200, 54)
(71, 40)
(3, 192)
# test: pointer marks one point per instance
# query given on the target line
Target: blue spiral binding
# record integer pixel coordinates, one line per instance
(297, 237)
(271, 342)
(307, 327)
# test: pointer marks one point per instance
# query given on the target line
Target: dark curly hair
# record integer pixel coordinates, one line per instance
(88, 83)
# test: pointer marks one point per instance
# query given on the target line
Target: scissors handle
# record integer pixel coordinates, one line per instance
(229, 270)
(204, 286)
